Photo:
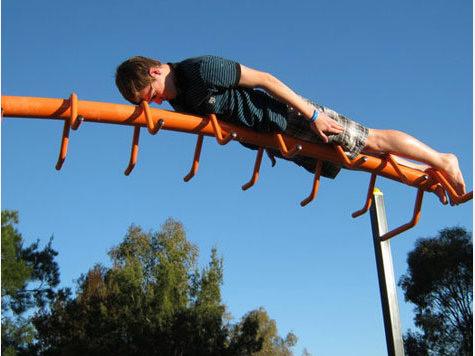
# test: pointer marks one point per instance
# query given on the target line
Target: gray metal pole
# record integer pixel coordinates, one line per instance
(387, 284)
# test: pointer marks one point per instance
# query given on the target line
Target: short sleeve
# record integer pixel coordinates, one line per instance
(219, 72)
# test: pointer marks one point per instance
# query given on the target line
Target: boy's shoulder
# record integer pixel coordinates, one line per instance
(203, 61)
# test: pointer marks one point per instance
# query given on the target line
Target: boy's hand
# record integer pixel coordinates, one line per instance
(324, 126)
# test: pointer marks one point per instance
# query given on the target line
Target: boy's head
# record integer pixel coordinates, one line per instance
(133, 75)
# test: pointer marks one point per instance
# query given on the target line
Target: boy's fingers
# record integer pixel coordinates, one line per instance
(323, 136)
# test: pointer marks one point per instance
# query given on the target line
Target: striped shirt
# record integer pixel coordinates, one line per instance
(209, 85)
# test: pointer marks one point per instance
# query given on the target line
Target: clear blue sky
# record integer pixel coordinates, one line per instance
(404, 65)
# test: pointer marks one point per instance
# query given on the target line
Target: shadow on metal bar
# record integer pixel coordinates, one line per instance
(255, 173)
(316, 182)
(196, 159)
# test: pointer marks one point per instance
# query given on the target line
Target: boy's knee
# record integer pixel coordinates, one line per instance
(375, 140)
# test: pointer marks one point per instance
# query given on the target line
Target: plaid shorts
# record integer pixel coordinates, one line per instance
(352, 139)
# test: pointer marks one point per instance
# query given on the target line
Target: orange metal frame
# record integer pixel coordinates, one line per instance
(74, 112)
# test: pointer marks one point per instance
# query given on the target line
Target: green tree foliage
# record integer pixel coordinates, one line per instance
(153, 300)
(29, 276)
(256, 334)
(439, 282)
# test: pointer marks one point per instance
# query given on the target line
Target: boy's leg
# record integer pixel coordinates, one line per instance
(404, 145)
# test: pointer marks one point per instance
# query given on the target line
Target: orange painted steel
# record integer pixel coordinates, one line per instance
(73, 112)
(74, 123)
(351, 164)
(283, 147)
(369, 197)
(316, 183)
(218, 132)
(151, 127)
(455, 199)
(255, 173)
(196, 159)
(393, 162)
(415, 218)
(134, 151)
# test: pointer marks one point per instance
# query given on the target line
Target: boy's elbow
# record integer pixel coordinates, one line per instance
(253, 78)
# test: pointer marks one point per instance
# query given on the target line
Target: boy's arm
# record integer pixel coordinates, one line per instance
(252, 78)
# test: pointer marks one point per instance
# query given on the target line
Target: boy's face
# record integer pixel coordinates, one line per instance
(155, 91)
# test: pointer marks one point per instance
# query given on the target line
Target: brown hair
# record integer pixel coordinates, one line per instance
(133, 75)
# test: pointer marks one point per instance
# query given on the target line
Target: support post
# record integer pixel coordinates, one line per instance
(387, 285)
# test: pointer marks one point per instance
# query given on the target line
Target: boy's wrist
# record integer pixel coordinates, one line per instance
(314, 117)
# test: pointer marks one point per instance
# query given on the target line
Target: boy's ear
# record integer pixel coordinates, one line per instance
(154, 71)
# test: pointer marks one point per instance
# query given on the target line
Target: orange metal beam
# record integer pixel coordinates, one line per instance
(74, 111)
(32, 107)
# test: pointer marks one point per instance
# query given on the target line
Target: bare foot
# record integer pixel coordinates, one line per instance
(451, 171)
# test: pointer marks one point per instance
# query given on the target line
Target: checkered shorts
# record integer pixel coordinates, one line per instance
(352, 139)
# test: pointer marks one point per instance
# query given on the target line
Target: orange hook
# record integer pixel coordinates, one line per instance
(255, 173)
(76, 120)
(455, 198)
(389, 157)
(134, 151)
(415, 218)
(217, 131)
(369, 197)
(283, 147)
(346, 161)
(316, 182)
(73, 121)
(148, 116)
(196, 159)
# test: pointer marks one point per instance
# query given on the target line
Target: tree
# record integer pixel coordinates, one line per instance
(256, 334)
(439, 282)
(29, 276)
(153, 300)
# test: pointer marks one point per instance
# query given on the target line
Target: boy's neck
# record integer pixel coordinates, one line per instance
(170, 83)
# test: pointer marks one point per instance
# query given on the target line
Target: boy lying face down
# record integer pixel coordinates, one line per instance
(213, 85)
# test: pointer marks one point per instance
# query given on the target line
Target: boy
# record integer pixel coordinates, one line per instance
(210, 84)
